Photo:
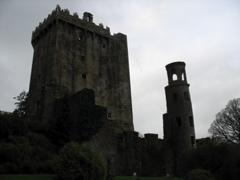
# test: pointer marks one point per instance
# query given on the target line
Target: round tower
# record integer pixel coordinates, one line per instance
(179, 133)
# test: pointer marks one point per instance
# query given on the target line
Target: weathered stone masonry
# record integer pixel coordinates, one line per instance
(72, 54)
(179, 134)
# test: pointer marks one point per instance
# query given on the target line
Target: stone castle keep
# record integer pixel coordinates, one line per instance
(72, 54)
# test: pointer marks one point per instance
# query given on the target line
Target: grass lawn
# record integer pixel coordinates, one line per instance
(144, 178)
(54, 177)
(28, 177)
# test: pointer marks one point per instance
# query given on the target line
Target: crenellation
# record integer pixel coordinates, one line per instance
(74, 19)
(101, 25)
(73, 54)
(82, 52)
(75, 14)
(42, 26)
(66, 11)
(58, 8)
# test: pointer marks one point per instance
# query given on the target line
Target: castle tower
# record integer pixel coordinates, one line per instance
(71, 54)
(179, 133)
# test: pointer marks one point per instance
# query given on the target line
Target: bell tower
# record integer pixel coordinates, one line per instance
(179, 133)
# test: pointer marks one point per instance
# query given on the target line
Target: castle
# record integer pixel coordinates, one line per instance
(72, 54)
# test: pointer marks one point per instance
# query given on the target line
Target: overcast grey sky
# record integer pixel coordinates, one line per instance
(205, 34)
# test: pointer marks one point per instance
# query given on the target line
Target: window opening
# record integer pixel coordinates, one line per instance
(109, 115)
(82, 58)
(80, 36)
(183, 77)
(175, 97)
(186, 96)
(174, 77)
(179, 121)
(89, 18)
(84, 75)
(121, 76)
(38, 79)
(191, 120)
(38, 107)
(192, 141)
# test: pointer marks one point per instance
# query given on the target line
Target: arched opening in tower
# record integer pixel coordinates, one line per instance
(174, 77)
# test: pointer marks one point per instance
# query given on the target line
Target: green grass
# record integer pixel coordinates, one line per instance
(54, 177)
(28, 177)
(144, 178)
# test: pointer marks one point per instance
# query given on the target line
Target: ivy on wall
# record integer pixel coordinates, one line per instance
(77, 118)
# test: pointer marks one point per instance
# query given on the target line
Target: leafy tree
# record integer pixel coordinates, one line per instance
(199, 174)
(21, 104)
(77, 118)
(226, 126)
(12, 125)
(78, 161)
(221, 159)
(23, 146)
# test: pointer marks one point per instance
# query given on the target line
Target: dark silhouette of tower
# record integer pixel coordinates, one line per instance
(71, 54)
(179, 133)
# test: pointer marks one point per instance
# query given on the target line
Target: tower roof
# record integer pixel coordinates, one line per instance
(176, 73)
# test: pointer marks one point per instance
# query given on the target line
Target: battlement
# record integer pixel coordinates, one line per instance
(148, 139)
(65, 16)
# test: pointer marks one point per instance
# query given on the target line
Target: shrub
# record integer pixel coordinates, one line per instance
(78, 161)
(199, 174)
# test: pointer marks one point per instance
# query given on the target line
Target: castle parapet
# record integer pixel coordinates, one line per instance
(151, 137)
(152, 140)
(64, 15)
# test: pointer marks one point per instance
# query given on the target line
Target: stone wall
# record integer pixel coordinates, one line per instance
(126, 153)
(71, 54)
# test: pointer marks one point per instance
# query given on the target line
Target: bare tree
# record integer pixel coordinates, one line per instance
(226, 126)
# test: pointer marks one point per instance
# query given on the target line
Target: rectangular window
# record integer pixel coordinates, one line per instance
(80, 37)
(109, 115)
(83, 58)
(84, 75)
(193, 141)
(186, 96)
(191, 120)
(179, 121)
(175, 97)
